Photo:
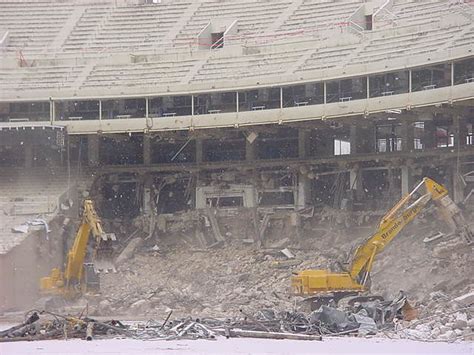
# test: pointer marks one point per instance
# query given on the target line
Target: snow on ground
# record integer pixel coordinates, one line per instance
(339, 346)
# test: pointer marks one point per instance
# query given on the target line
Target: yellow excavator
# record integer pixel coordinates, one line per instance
(326, 285)
(73, 281)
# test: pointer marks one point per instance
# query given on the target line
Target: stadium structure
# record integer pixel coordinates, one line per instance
(158, 108)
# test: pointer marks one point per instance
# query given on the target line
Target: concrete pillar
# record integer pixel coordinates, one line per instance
(407, 179)
(303, 143)
(355, 182)
(250, 150)
(199, 152)
(146, 150)
(147, 187)
(304, 190)
(28, 155)
(408, 136)
(458, 186)
(93, 149)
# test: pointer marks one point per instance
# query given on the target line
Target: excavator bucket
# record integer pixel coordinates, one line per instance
(454, 218)
(103, 260)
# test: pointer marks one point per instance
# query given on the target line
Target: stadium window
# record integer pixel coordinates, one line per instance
(346, 90)
(469, 134)
(303, 95)
(342, 146)
(34, 111)
(419, 131)
(444, 137)
(260, 99)
(464, 71)
(215, 103)
(77, 110)
(388, 138)
(170, 106)
(432, 77)
(388, 84)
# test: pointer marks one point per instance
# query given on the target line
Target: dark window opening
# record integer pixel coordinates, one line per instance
(368, 22)
(388, 84)
(121, 149)
(346, 90)
(120, 200)
(274, 198)
(282, 144)
(303, 95)
(435, 76)
(171, 150)
(227, 201)
(224, 149)
(464, 71)
(217, 40)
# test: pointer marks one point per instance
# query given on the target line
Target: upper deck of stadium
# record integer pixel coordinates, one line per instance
(67, 49)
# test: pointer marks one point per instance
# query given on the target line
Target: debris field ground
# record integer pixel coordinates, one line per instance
(237, 287)
(236, 346)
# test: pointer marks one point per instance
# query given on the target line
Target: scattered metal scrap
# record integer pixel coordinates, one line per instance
(360, 319)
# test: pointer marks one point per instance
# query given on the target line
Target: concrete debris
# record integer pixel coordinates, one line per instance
(32, 225)
(129, 250)
(22, 228)
(466, 299)
(287, 252)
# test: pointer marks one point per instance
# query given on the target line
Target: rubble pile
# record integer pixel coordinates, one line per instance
(217, 282)
(442, 319)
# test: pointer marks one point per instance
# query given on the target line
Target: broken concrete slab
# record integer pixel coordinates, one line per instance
(129, 250)
(287, 252)
(466, 299)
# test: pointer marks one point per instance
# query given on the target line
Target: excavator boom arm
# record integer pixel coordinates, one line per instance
(65, 282)
(391, 225)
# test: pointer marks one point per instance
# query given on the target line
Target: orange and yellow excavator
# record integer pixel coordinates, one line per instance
(72, 281)
(337, 285)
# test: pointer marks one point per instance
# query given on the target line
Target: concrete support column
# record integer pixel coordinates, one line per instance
(250, 150)
(355, 182)
(407, 179)
(458, 186)
(303, 143)
(146, 149)
(408, 136)
(147, 206)
(28, 155)
(304, 190)
(93, 149)
(199, 152)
